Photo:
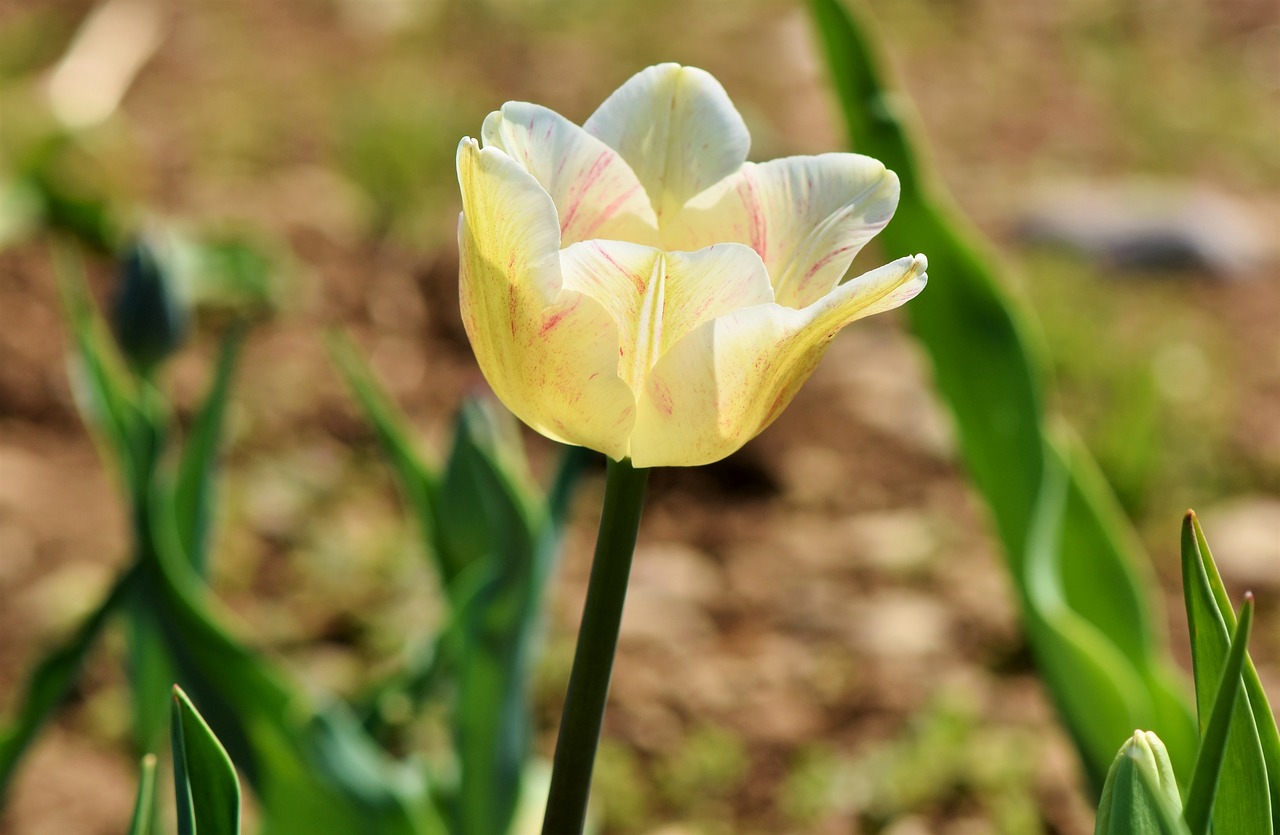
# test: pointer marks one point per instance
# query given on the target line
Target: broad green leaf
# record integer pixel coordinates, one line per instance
(52, 680)
(197, 470)
(205, 782)
(1140, 796)
(144, 808)
(1242, 802)
(1263, 716)
(1097, 689)
(1202, 793)
(492, 718)
(966, 321)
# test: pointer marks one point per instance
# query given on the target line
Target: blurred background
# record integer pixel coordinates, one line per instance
(820, 636)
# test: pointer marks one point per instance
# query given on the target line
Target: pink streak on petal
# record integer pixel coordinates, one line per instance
(759, 232)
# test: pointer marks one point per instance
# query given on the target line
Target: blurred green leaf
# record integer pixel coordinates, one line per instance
(1089, 621)
(198, 467)
(1242, 802)
(52, 680)
(70, 203)
(106, 392)
(20, 210)
(415, 478)
(150, 674)
(491, 721)
(205, 782)
(226, 271)
(144, 808)
(312, 767)
(494, 539)
(1203, 791)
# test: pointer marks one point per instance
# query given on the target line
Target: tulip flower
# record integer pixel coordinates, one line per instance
(635, 286)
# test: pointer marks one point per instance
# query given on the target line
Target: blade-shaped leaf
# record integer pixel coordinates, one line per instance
(966, 321)
(107, 394)
(1202, 793)
(415, 478)
(1263, 716)
(1242, 802)
(52, 679)
(205, 782)
(144, 808)
(194, 491)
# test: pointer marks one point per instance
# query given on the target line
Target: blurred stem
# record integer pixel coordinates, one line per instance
(597, 641)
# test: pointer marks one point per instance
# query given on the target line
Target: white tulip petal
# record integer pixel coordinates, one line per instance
(549, 354)
(657, 298)
(595, 192)
(806, 216)
(677, 129)
(732, 376)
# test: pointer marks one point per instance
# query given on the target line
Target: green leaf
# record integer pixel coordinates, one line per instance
(1088, 616)
(144, 808)
(1263, 716)
(205, 782)
(106, 392)
(150, 675)
(1242, 802)
(52, 679)
(1202, 793)
(197, 470)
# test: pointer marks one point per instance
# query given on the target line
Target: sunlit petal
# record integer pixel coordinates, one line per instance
(549, 354)
(595, 192)
(677, 129)
(806, 216)
(732, 376)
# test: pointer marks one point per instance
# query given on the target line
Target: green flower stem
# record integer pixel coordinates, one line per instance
(597, 641)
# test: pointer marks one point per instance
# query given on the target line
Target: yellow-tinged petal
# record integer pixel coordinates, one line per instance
(677, 129)
(550, 354)
(732, 376)
(806, 216)
(657, 298)
(595, 192)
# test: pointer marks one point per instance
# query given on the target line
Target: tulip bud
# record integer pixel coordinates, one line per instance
(150, 317)
(1139, 783)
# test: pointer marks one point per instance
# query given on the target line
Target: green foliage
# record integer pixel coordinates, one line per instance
(315, 765)
(205, 783)
(1088, 619)
(1238, 733)
(1232, 784)
(493, 541)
